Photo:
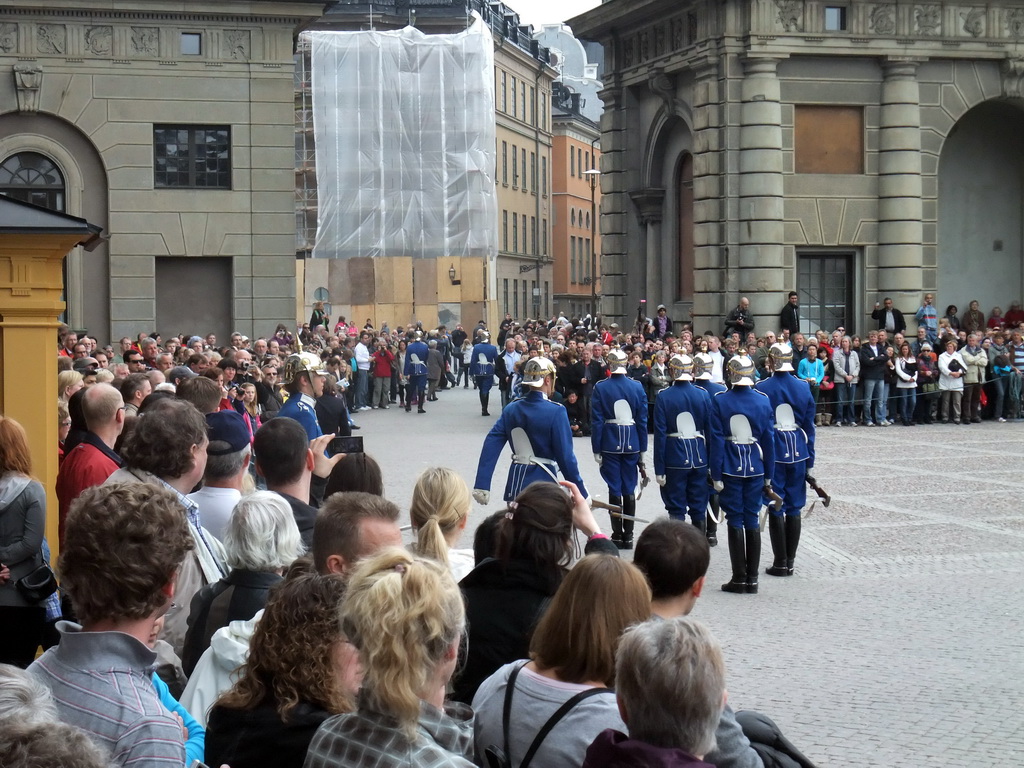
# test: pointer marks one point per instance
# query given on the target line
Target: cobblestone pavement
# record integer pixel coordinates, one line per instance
(899, 640)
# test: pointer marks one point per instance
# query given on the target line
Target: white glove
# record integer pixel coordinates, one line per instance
(482, 497)
(662, 479)
(597, 458)
(718, 485)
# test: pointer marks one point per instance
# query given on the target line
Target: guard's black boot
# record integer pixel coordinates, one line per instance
(712, 525)
(792, 540)
(753, 538)
(616, 501)
(701, 525)
(484, 398)
(777, 532)
(738, 558)
(628, 508)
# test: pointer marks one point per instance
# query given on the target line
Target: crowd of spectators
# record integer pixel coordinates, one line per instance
(231, 592)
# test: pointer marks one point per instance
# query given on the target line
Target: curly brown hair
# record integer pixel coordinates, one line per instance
(291, 652)
(122, 546)
(163, 437)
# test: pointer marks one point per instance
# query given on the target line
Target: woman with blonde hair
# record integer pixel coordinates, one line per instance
(22, 517)
(439, 512)
(405, 616)
(572, 662)
(69, 382)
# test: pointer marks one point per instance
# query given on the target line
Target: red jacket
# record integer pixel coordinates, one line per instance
(382, 360)
(85, 466)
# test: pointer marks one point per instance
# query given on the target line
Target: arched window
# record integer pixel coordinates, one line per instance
(572, 216)
(588, 221)
(33, 178)
(684, 237)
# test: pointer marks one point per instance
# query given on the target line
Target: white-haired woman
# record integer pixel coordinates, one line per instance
(404, 614)
(261, 540)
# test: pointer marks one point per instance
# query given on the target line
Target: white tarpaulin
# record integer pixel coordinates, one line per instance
(405, 154)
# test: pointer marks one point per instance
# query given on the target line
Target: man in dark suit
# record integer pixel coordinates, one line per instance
(505, 368)
(889, 318)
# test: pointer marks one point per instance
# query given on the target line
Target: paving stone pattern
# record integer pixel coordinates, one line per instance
(900, 640)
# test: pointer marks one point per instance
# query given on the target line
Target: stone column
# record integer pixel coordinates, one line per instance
(761, 263)
(613, 265)
(709, 237)
(900, 272)
(650, 210)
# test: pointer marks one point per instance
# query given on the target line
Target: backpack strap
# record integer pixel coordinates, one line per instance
(560, 713)
(510, 688)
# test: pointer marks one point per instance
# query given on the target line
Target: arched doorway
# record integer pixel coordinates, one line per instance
(981, 209)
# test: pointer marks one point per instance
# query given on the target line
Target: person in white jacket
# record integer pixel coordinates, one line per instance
(906, 383)
(951, 381)
(217, 669)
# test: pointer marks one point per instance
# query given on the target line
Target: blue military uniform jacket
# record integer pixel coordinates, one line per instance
(711, 387)
(672, 451)
(490, 352)
(412, 368)
(792, 445)
(302, 408)
(606, 435)
(738, 459)
(547, 425)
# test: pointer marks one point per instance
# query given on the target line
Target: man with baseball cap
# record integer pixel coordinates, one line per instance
(538, 432)
(228, 456)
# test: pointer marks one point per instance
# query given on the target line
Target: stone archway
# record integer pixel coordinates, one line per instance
(981, 209)
(669, 213)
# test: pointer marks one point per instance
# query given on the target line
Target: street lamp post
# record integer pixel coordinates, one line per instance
(592, 176)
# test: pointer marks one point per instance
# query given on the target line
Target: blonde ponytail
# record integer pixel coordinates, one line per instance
(403, 613)
(440, 504)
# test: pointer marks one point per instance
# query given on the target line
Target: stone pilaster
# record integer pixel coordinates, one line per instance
(761, 253)
(614, 265)
(650, 206)
(899, 185)
(708, 190)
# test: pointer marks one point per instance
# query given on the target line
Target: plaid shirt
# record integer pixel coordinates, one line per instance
(367, 739)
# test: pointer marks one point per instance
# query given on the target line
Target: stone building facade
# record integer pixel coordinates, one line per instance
(170, 125)
(850, 150)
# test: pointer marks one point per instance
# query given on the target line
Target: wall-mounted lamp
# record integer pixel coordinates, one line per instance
(451, 275)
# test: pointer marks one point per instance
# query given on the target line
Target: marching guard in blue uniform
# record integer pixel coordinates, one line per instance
(682, 440)
(703, 365)
(484, 355)
(744, 431)
(537, 431)
(618, 436)
(416, 372)
(793, 405)
(304, 382)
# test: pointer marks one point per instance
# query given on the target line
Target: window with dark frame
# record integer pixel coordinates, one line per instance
(825, 286)
(191, 157)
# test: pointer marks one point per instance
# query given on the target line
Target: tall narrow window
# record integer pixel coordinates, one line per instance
(514, 100)
(533, 235)
(504, 162)
(515, 233)
(684, 235)
(504, 304)
(572, 162)
(504, 231)
(504, 91)
(515, 166)
(544, 175)
(533, 172)
(524, 233)
(524, 169)
(572, 260)
(544, 236)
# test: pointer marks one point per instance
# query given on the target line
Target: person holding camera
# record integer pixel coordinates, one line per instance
(951, 381)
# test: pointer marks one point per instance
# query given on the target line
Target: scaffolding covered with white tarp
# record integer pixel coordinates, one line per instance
(405, 143)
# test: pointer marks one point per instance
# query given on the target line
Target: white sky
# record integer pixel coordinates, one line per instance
(540, 12)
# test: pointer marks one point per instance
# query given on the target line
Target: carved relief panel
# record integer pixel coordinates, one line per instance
(8, 38)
